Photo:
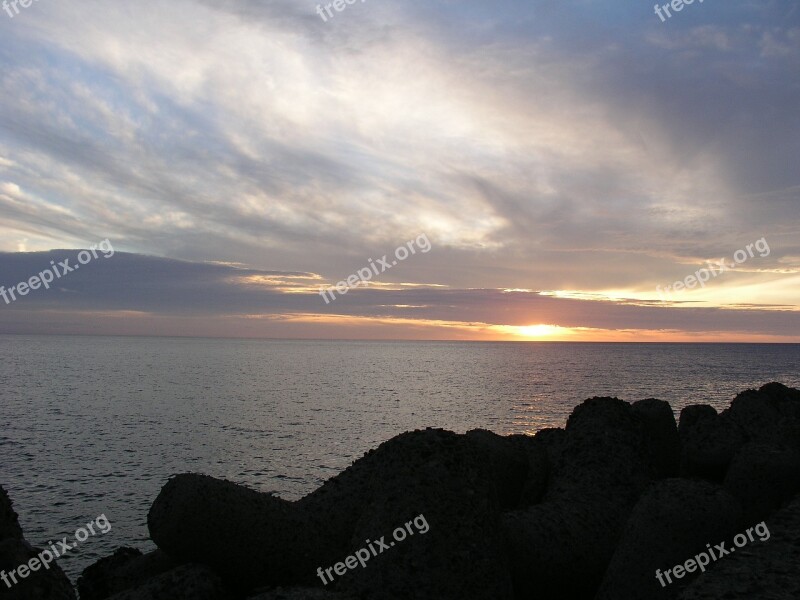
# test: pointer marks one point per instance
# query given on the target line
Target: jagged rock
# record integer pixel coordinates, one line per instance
(765, 568)
(42, 584)
(763, 476)
(663, 440)
(560, 548)
(709, 442)
(126, 568)
(672, 522)
(187, 582)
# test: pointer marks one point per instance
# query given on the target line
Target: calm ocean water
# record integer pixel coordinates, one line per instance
(94, 426)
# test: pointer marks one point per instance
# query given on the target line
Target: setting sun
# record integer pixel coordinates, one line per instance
(540, 330)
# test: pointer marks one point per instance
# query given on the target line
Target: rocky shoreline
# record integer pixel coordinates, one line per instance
(590, 511)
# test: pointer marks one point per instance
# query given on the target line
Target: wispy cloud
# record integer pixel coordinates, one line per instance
(572, 146)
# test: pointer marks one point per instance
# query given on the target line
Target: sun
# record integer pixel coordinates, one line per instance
(539, 330)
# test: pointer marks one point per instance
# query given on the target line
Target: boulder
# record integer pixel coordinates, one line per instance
(763, 476)
(663, 441)
(671, 523)
(709, 442)
(437, 511)
(249, 538)
(508, 464)
(537, 452)
(126, 568)
(765, 568)
(300, 594)
(560, 548)
(9, 522)
(770, 415)
(187, 582)
(43, 583)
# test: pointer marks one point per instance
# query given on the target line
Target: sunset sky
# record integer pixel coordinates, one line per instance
(563, 157)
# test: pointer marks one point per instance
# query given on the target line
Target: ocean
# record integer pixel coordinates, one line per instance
(96, 425)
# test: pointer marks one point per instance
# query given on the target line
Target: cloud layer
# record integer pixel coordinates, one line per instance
(580, 149)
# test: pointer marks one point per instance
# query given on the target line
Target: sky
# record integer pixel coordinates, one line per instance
(555, 165)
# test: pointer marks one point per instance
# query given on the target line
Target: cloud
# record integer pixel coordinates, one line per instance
(124, 288)
(549, 145)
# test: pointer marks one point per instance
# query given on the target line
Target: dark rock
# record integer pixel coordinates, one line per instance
(508, 464)
(187, 582)
(560, 548)
(709, 442)
(692, 415)
(9, 523)
(663, 441)
(672, 522)
(537, 475)
(126, 568)
(437, 491)
(44, 583)
(765, 568)
(301, 594)
(771, 414)
(763, 477)
(251, 539)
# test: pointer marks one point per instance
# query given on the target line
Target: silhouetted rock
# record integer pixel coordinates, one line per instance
(9, 522)
(537, 449)
(126, 568)
(301, 594)
(251, 539)
(508, 464)
(663, 441)
(187, 582)
(764, 569)
(763, 477)
(771, 414)
(41, 584)
(709, 442)
(454, 548)
(560, 548)
(555, 515)
(672, 522)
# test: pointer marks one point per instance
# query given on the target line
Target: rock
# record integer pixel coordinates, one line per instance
(249, 538)
(508, 464)
(709, 442)
(437, 506)
(9, 523)
(560, 547)
(672, 522)
(663, 440)
(538, 453)
(126, 568)
(771, 414)
(341, 500)
(42, 584)
(300, 594)
(765, 568)
(691, 415)
(187, 582)
(763, 476)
